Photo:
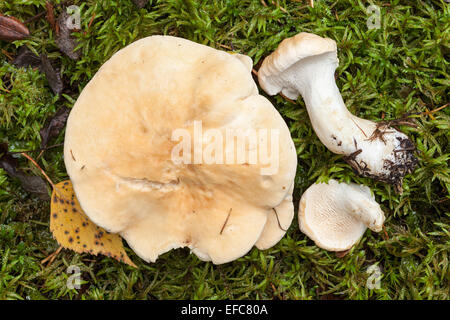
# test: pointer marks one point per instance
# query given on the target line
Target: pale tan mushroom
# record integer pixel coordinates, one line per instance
(305, 65)
(336, 215)
(119, 149)
(277, 223)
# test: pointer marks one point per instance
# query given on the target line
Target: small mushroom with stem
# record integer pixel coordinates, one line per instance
(305, 65)
(336, 215)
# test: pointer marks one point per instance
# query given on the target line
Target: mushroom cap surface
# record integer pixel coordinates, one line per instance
(289, 52)
(119, 143)
(336, 215)
(277, 223)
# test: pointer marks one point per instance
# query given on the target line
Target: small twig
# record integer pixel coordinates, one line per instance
(278, 220)
(39, 155)
(359, 128)
(37, 166)
(434, 110)
(428, 113)
(275, 291)
(263, 3)
(281, 8)
(90, 23)
(7, 54)
(52, 257)
(385, 233)
(311, 2)
(37, 16)
(73, 157)
(425, 113)
(225, 46)
(226, 220)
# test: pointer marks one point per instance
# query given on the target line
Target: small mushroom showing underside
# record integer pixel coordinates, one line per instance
(163, 94)
(336, 215)
(305, 65)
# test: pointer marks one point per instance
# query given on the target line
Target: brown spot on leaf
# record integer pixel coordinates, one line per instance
(80, 232)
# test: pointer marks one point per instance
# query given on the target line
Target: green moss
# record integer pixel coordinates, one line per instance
(384, 73)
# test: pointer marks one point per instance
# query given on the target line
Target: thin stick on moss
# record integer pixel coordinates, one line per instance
(40, 169)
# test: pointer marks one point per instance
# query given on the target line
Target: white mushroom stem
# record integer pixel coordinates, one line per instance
(361, 206)
(305, 65)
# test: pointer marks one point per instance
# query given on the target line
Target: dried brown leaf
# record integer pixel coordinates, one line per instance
(50, 15)
(66, 43)
(53, 77)
(26, 58)
(54, 126)
(32, 184)
(12, 29)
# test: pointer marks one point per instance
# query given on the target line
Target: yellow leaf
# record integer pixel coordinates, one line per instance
(74, 230)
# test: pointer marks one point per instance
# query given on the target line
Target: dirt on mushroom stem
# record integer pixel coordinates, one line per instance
(394, 171)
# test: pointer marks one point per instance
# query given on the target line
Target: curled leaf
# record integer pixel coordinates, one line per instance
(53, 77)
(74, 230)
(54, 126)
(26, 58)
(66, 43)
(50, 15)
(12, 29)
(32, 184)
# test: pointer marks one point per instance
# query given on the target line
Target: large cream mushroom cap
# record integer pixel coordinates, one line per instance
(118, 150)
(336, 215)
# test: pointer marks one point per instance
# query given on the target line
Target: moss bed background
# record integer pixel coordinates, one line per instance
(383, 73)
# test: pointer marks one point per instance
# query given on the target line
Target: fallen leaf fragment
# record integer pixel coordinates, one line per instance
(26, 58)
(341, 254)
(53, 77)
(140, 3)
(54, 126)
(32, 184)
(12, 29)
(74, 230)
(50, 15)
(66, 43)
